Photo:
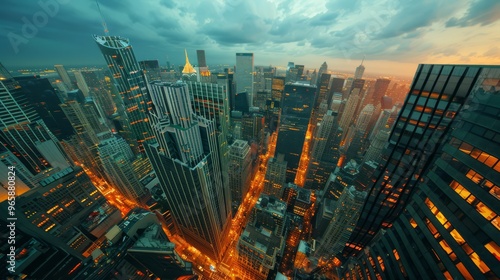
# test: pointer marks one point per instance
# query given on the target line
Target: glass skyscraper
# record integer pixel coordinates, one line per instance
(449, 184)
(298, 103)
(131, 85)
(243, 75)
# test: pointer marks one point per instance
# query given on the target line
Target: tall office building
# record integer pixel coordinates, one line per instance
(319, 170)
(53, 211)
(360, 139)
(349, 112)
(323, 69)
(116, 158)
(275, 178)
(360, 70)
(262, 243)
(135, 101)
(151, 69)
(243, 75)
(298, 102)
(64, 76)
(43, 97)
(204, 74)
(186, 160)
(380, 89)
(240, 171)
(211, 102)
(81, 84)
(436, 96)
(345, 177)
(258, 250)
(377, 145)
(450, 227)
(323, 92)
(337, 85)
(101, 91)
(342, 223)
(22, 131)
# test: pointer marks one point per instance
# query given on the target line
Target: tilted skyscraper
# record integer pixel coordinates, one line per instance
(187, 162)
(23, 132)
(450, 229)
(437, 94)
(131, 85)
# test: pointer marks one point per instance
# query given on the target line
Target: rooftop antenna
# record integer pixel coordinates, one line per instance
(363, 59)
(106, 31)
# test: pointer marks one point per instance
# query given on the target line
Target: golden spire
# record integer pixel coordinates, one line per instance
(188, 68)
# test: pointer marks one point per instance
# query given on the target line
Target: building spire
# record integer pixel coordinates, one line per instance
(188, 68)
(106, 31)
(363, 60)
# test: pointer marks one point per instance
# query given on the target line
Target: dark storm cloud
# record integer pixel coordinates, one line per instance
(481, 12)
(379, 29)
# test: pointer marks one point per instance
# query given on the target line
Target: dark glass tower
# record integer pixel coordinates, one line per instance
(450, 229)
(42, 96)
(298, 102)
(187, 161)
(131, 85)
(436, 95)
(23, 132)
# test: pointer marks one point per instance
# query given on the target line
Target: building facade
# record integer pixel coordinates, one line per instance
(450, 228)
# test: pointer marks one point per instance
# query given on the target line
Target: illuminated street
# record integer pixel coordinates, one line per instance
(300, 178)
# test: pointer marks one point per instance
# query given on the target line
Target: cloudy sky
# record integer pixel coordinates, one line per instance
(394, 35)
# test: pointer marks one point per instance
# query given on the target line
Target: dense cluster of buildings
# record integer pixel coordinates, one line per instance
(140, 171)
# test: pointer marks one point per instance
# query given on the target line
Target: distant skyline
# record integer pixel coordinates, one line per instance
(395, 35)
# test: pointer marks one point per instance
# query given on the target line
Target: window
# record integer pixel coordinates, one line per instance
(460, 266)
(494, 249)
(466, 148)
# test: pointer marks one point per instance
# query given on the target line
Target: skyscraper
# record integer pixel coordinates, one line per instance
(82, 85)
(187, 162)
(298, 102)
(450, 227)
(240, 171)
(275, 178)
(337, 85)
(243, 75)
(437, 94)
(129, 80)
(64, 76)
(43, 97)
(54, 210)
(319, 170)
(342, 223)
(204, 74)
(360, 70)
(151, 69)
(381, 86)
(22, 131)
(323, 69)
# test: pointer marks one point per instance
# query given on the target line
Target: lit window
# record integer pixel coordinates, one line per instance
(479, 263)
(460, 266)
(494, 249)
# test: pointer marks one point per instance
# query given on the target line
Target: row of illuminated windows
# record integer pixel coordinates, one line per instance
(456, 236)
(480, 207)
(477, 154)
